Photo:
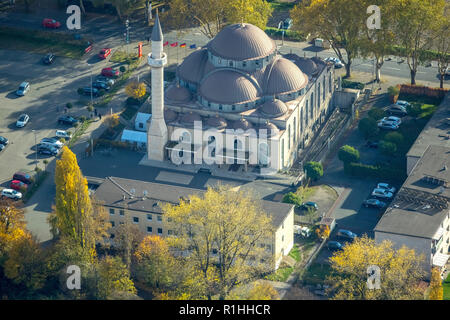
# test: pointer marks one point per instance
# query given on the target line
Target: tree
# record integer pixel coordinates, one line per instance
(368, 127)
(323, 231)
(135, 89)
(113, 279)
(348, 154)
(314, 170)
(25, 265)
(123, 7)
(400, 271)
(213, 15)
(378, 42)
(292, 198)
(74, 216)
(260, 290)
(394, 137)
(414, 25)
(388, 148)
(436, 289)
(127, 239)
(442, 45)
(154, 265)
(376, 113)
(112, 121)
(12, 225)
(224, 231)
(341, 22)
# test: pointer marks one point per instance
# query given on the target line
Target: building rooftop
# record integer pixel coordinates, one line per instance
(150, 197)
(436, 132)
(422, 202)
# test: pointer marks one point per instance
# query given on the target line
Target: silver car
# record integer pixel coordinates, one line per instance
(22, 121)
(23, 89)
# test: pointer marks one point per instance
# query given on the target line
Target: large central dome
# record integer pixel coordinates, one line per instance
(242, 42)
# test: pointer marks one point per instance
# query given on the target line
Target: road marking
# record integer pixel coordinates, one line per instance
(393, 68)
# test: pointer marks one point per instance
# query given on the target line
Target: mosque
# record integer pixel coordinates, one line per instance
(237, 81)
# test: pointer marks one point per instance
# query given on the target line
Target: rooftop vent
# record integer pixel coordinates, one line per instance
(145, 194)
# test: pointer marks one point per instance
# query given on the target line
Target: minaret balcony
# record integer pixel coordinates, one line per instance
(157, 62)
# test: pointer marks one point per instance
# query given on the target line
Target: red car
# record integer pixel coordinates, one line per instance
(104, 53)
(110, 72)
(51, 23)
(18, 185)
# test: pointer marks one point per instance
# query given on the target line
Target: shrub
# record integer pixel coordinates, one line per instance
(393, 93)
(388, 148)
(293, 198)
(376, 113)
(394, 137)
(80, 91)
(368, 127)
(69, 105)
(90, 108)
(314, 170)
(421, 91)
(122, 69)
(414, 109)
(352, 84)
(135, 89)
(348, 154)
(132, 101)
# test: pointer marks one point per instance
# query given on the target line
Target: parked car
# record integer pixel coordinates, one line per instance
(49, 58)
(68, 120)
(18, 185)
(386, 187)
(63, 134)
(382, 193)
(4, 141)
(374, 203)
(372, 144)
(334, 246)
(104, 53)
(346, 235)
(402, 103)
(110, 72)
(51, 23)
(387, 125)
(58, 144)
(398, 110)
(22, 176)
(305, 232)
(392, 119)
(23, 120)
(48, 150)
(106, 80)
(12, 194)
(100, 85)
(24, 87)
(2, 147)
(87, 91)
(309, 204)
(337, 63)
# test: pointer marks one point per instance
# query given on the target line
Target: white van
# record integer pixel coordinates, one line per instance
(63, 134)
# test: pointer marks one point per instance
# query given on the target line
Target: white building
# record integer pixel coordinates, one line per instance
(238, 81)
(141, 120)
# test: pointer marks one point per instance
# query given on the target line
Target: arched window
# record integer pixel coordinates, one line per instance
(237, 144)
(289, 137)
(318, 96)
(295, 129)
(312, 106)
(231, 63)
(282, 152)
(324, 90)
(330, 84)
(306, 112)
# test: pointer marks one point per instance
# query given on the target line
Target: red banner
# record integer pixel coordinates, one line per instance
(140, 49)
(174, 44)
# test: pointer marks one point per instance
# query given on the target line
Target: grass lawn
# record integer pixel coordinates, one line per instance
(446, 286)
(280, 5)
(281, 274)
(295, 253)
(43, 42)
(316, 273)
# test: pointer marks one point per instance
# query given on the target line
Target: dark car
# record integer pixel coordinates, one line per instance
(346, 235)
(22, 176)
(101, 85)
(372, 144)
(67, 120)
(334, 246)
(48, 151)
(49, 58)
(374, 203)
(397, 110)
(309, 204)
(4, 141)
(107, 80)
(87, 91)
(2, 147)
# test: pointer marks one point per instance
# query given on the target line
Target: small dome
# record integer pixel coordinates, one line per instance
(192, 69)
(240, 42)
(170, 115)
(273, 108)
(228, 87)
(241, 124)
(272, 130)
(307, 65)
(217, 122)
(283, 76)
(175, 93)
(189, 118)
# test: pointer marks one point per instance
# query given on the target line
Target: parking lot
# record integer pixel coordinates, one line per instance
(51, 88)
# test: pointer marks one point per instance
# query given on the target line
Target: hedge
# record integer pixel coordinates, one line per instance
(423, 91)
(288, 34)
(352, 84)
(380, 172)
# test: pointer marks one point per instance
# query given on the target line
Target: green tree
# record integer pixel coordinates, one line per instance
(292, 198)
(401, 271)
(230, 224)
(341, 22)
(394, 137)
(388, 148)
(314, 170)
(415, 22)
(376, 113)
(74, 215)
(442, 44)
(12, 225)
(348, 154)
(368, 127)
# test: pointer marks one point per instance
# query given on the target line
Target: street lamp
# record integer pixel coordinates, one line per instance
(35, 143)
(127, 34)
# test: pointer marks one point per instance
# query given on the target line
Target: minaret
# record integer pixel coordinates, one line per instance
(157, 131)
